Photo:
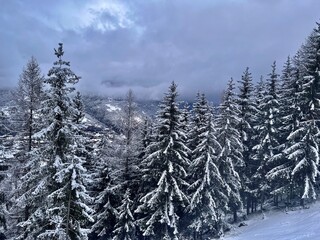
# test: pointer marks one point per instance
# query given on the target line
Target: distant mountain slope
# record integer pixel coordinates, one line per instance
(111, 111)
(301, 224)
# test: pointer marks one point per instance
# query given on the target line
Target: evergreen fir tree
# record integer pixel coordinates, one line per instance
(144, 138)
(248, 112)
(230, 158)
(304, 148)
(280, 173)
(3, 125)
(288, 106)
(186, 118)
(59, 179)
(198, 115)
(78, 113)
(305, 155)
(165, 173)
(105, 205)
(268, 143)
(4, 166)
(107, 187)
(208, 190)
(125, 227)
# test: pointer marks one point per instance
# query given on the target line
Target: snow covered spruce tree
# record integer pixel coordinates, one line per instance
(197, 121)
(125, 227)
(267, 141)
(145, 137)
(288, 88)
(106, 203)
(208, 190)
(78, 113)
(247, 115)
(196, 124)
(185, 119)
(304, 148)
(279, 175)
(230, 158)
(5, 183)
(56, 176)
(165, 172)
(258, 95)
(89, 150)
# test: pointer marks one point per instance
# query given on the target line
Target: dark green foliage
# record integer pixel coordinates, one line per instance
(230, 159)
(267, 139)
(247, 116)
(165, 172)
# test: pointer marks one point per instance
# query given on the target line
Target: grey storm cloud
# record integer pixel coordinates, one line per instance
(144, 45)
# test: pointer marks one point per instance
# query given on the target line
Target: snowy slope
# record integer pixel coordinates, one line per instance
(111, 112)
(292, 225)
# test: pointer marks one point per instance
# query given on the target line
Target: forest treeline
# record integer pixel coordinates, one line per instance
(186, 174)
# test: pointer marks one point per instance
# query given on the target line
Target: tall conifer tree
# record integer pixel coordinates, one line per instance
(230, 158)
(280, 173)
(248, 111)
(268, 144)
(209, 198)
(57, 176)
(304, 148)
(165, 172)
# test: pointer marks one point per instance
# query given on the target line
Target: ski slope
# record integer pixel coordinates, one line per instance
(279, 225)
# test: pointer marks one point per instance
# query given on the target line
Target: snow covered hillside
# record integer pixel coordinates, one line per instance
(299, 224)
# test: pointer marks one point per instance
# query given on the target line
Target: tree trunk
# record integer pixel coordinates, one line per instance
(30, 131)
(26, 212)
(276, 200)
(252, 204)
(302, 199)
(302, 202)
(235, 216)
(248, 204)
(291, 192)
(68, 212)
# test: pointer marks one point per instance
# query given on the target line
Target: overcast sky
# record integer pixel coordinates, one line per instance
(146, 44)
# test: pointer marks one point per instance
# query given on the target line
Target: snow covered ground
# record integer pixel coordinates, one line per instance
(279, 225)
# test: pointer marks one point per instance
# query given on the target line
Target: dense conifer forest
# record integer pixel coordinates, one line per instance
(186, 173)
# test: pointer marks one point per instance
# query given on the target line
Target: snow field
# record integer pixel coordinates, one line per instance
(299, 224)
